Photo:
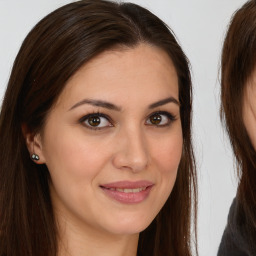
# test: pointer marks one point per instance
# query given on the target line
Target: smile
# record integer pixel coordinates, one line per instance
(127, 192)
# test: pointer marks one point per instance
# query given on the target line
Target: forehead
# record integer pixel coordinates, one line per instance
(128, 72)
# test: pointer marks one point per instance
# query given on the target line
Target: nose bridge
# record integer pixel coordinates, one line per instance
(132, 150)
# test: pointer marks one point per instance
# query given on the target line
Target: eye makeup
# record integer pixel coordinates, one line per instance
(96, 121)
(99, 121)
(160, 119)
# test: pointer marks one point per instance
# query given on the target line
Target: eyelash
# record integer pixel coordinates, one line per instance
(171, 118)
(98, 114)
(82, 120)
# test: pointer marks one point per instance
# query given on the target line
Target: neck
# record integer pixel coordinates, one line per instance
(83, 240)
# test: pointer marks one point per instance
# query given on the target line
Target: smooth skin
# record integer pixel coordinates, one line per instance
(249, 109)
(117, 119)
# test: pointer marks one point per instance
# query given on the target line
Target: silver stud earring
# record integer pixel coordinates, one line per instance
(35, 157)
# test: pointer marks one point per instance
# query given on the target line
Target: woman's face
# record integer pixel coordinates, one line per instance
(249, 109)
(113, 141)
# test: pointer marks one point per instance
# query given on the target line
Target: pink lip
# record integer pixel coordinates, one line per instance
(128, 197)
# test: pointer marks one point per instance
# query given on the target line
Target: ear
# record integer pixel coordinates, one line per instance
(34, 144)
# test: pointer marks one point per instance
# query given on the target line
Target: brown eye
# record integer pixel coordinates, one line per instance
(160, 119)
(156, 119)
(94, 121)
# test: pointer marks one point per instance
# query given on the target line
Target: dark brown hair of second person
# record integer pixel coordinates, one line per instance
(238, 64)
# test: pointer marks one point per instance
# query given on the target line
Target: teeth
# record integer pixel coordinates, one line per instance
(129, 190)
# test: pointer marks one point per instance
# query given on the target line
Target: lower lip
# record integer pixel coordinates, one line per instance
(128, 198)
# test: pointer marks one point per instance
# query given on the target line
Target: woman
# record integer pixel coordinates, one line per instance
(238, 91)
(96, 154)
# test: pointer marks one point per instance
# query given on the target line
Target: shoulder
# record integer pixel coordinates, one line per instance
(234, 239)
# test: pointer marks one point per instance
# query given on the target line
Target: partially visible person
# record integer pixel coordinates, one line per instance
(96, 156)
(238, 99)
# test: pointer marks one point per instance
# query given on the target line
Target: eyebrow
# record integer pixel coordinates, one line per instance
(163, 102)
(108, 105)
(97, 103)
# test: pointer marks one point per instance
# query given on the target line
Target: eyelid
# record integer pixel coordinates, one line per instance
(170, 116)
(84, 118)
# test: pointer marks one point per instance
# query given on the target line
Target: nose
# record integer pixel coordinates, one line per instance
(131, 151)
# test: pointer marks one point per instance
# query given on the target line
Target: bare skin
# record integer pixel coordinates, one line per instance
(249, 108)
(116, 121)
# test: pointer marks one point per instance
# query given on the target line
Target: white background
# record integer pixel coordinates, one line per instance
(200, 26)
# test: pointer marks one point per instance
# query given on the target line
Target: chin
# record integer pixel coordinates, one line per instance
(130, 226)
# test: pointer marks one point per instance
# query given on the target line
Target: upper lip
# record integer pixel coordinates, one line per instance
(128, 184)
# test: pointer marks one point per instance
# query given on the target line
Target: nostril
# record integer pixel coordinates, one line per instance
(132, 153)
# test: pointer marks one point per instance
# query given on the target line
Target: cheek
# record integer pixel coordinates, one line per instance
(250, 125)
(167, 158)
(74, 162)
(168, 154)
(249, 112)
(74, 157)
(249, 117)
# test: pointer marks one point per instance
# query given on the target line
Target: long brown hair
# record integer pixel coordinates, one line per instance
(51, 53)
(238, 64)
